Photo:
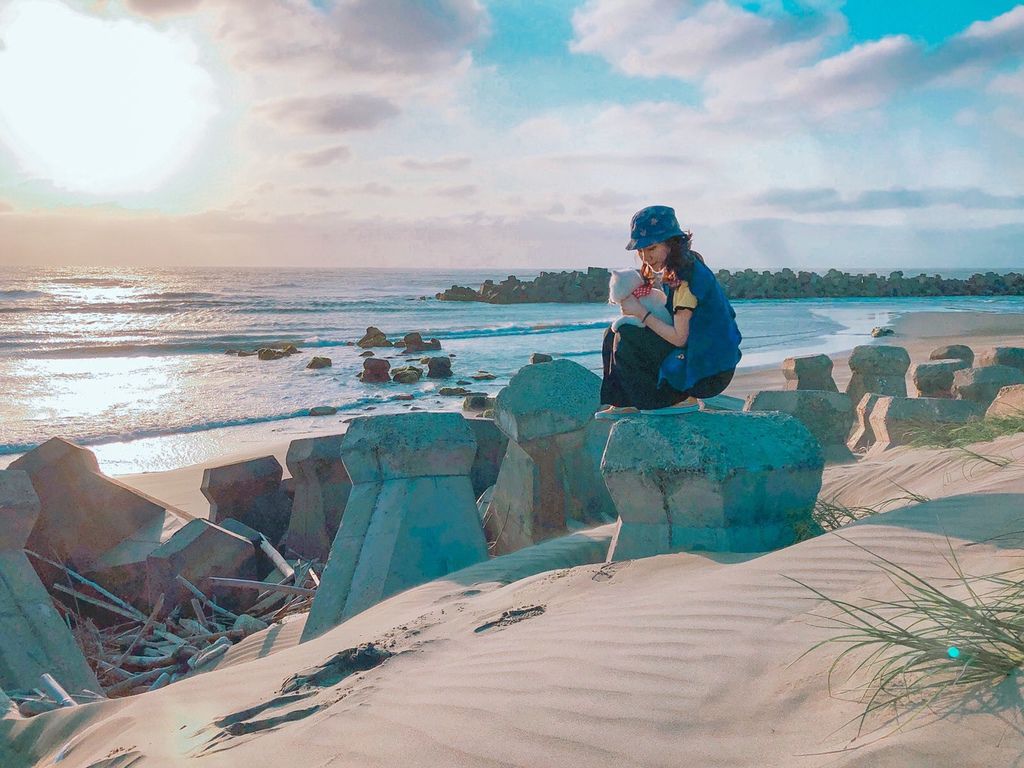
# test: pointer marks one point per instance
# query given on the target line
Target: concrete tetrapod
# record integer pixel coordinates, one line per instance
(809, 372)
(322, 486)
(879, 369)
(828, 415)
(550, 472)
(411, 516)
(723, 482)
(895, 420)
(33, 637)
(251, 492)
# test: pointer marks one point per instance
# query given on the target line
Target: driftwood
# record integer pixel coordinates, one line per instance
(249, 584)
(94, 601)
(148, 623)
(55, 691)
(199, 594)
(275, 557)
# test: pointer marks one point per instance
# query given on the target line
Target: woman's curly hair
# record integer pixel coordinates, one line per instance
(679, 264)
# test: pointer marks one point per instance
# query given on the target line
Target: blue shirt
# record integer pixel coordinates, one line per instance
(713, 344)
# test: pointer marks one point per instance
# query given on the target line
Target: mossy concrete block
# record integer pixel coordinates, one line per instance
(953, 352)
(322, 487)
(828, 415)
(33, 637)
(549, 399)
(809, 372)
(981, 385)
(1012, 357)
(1009, 402)
(19, 508)
(742, 482)
(249, 491)
(935, 378)
(407, 445)
(880, 369)
(895, 420)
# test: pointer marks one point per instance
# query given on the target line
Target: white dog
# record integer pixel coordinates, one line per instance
(629, 281)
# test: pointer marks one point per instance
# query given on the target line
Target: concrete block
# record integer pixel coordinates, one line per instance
(19, 508)
(34, 637)
(199, 550)
(1009, 402)
(895, 420)
(861, 437)
(809, 372)
(828, 415)
(322, 486)
(544, 485)
(491, 443)
(544, 400)
(878, 368)
(953, 352)
(84, 514)
(411, 516)
(935, 378)
(406, 445)
(981, 385)
(743, 482)
(251, 492)
(1012, 357)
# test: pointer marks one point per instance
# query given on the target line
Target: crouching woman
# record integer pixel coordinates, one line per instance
(658, 364)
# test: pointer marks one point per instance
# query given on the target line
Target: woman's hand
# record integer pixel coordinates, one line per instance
(631, 306)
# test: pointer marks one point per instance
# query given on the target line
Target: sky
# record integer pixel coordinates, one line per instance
(510, 133)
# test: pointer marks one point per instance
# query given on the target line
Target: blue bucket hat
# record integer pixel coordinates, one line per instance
(650, 225)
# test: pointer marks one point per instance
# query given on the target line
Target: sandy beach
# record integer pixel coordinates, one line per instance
(682, 659)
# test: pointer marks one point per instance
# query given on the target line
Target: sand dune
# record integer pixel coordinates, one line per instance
(535, 659)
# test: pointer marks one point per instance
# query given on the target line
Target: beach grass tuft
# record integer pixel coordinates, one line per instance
(961, 435)
(931, 640)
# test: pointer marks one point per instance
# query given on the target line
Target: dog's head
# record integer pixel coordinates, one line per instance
(622, 283)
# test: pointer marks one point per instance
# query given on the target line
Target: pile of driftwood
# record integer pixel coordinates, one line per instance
(139, 653)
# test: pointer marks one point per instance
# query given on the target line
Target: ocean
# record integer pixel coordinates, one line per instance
(132, 361)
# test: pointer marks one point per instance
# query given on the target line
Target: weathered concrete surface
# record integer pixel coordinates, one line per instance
(1009, 402)
(550, 473)
(809, 372)
(738, 482)
(828, 415)
(249, 491)
(981, 385)
(199, 550)
(33, 638)
(544, 400)
(862, 436)
(896, 420)
(935, 378)
(953, 352)
(411, 516)
(322, 486)
(84, 514)
(1012, 357)
(879, 369)
(491, 444)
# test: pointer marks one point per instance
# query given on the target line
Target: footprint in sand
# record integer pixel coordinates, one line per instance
(508, 618)
(303, 685)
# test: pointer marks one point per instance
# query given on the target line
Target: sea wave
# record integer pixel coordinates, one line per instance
(18, 294)
(354, 404)
(518, 330)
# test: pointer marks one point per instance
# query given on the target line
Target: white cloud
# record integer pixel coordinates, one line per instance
(322, 157)
(757, 66)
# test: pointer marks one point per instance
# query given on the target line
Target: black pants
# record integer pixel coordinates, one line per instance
(632, 357)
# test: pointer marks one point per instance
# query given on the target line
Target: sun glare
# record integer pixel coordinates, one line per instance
(95, 105)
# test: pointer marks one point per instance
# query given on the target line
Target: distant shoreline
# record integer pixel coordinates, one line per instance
(591, 286)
